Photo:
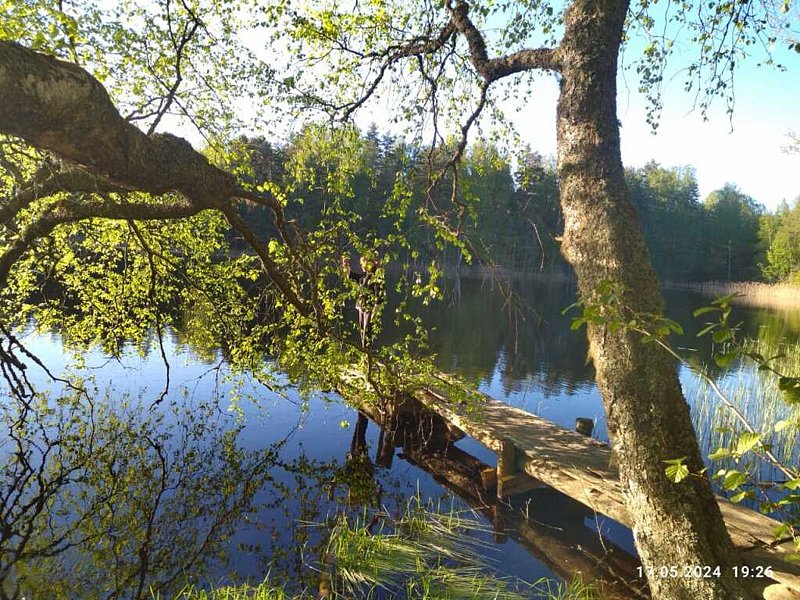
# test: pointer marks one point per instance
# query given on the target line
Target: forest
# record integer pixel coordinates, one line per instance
(514, 219)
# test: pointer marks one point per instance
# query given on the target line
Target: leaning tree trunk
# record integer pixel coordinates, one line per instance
(648, 419)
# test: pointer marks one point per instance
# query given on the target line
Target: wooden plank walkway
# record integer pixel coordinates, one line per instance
(582, 468)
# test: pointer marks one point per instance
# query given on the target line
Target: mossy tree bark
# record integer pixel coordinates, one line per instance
(676, 525)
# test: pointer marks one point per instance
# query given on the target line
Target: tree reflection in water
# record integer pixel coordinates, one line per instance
(104, 496)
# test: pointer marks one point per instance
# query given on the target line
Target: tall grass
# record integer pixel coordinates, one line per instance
(778, 295)
(756, 395)
(425, 554)
(264, 591)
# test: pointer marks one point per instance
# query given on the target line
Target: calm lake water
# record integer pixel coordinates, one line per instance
(227, 481)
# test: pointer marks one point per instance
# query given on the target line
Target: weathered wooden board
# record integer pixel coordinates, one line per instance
(583, 468)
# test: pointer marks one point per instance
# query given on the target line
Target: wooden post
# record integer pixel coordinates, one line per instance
(506, 466)
(499, 524)
(584, 426)
(511, 481)
(385, 454)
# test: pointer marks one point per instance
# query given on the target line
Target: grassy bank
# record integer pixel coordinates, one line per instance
(267, 591)
(777, 296)
(428, 553)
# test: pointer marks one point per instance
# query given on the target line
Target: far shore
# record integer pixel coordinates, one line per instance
(767, 295)
(751, 293)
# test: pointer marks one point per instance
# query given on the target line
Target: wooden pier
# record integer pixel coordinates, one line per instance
(532, 450)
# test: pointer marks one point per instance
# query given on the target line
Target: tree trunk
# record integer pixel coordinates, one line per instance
(675, 525)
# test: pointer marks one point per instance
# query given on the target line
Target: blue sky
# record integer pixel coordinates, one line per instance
(745, 151)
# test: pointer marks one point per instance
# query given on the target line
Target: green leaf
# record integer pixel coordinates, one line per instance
(705, 309)
(726, 359)
(790, 388)
(576, 324)
(781, 425)
(746, 442)
(739, 496)
(719, 454)
(733, 479)
(767, 507)
(677, 473)
(673, 326)
(782, 530)
(706, 329)
(570, 307)
(723, 335)
(792, 396)
(725, 300)
(792, 484)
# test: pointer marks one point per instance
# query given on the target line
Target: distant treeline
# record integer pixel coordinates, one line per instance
(511, 211)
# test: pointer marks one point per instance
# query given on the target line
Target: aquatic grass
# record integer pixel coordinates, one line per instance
(769, 295)
(263, 591)
(426, 553)
(755, 394)
(440, 584)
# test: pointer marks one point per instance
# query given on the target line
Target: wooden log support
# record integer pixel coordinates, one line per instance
(584, 426)
(499, 525)
(385, 453)
(489, 479)
(510, 480)
(506, 467)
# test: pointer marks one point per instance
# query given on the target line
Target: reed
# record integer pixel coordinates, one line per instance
(779, 296)
(428, 553)
(264, 591)
(756, 395)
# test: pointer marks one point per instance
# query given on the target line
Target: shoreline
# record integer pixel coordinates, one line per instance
(767, 295)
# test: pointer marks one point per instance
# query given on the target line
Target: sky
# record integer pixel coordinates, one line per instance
(746, 151)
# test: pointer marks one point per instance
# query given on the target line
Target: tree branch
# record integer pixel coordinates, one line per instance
(71, 180)
(492, 69)
(269, 265)
(58, 106)
(70, 210)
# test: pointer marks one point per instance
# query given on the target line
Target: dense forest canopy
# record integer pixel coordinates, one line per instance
(516, 221)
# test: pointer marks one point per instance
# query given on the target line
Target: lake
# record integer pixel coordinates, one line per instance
(113, 494)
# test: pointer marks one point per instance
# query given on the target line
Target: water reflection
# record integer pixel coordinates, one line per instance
(105, 496)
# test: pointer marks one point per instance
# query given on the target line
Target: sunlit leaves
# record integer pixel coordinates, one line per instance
(676, 471)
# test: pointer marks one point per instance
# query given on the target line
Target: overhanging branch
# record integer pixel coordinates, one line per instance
(492, 69)
(58, 106)
(70, 210)
(70, 181)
